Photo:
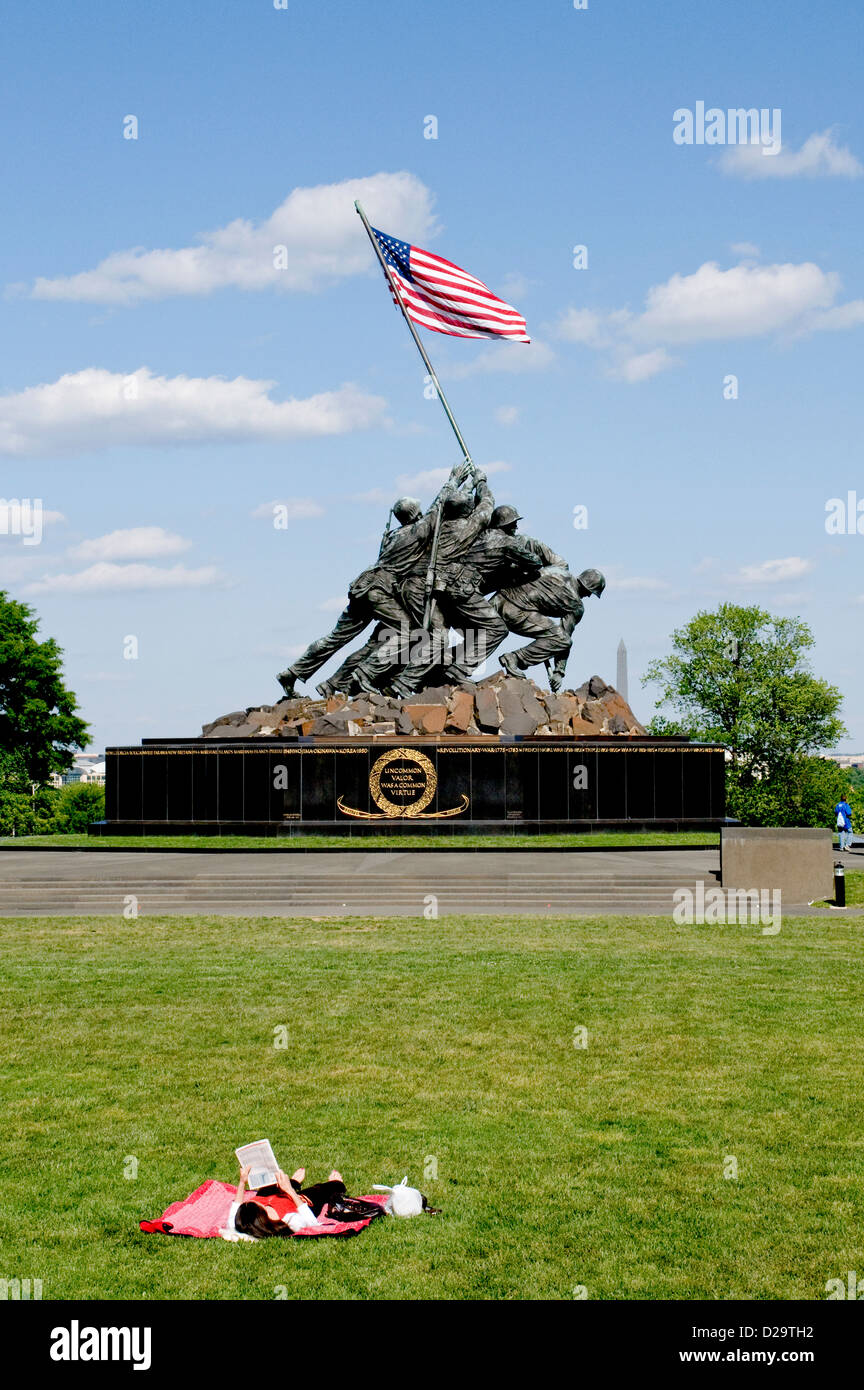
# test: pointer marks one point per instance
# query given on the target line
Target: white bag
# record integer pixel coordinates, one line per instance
(403, 1200)
(841, 823)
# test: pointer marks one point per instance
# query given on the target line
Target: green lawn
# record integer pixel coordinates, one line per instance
(855, 886)
(657, 839)
(451, 1043)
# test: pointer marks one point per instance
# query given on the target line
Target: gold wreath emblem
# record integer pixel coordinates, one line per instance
(402, 755)
(414, 808)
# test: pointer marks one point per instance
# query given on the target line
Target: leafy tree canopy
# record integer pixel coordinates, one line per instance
(740, 677)
(39, 724)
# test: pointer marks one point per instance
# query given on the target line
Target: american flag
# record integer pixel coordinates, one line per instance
(440, 296)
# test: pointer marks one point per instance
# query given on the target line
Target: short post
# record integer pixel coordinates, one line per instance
(839, 884)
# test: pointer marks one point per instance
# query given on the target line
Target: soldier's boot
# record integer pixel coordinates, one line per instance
(510, 664)
(288, 679)
(556, 675)
(326, 689)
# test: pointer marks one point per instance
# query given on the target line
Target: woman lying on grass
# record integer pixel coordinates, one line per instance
(286, 1208)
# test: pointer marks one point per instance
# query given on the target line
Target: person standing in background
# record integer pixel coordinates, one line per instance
(843, 812)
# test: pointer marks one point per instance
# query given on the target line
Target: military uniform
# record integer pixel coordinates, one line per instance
(374, 594)
(456, 595)
(528, 609)
(494, 559)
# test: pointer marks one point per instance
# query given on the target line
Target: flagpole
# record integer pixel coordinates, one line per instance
(414, 334)
(433, 554)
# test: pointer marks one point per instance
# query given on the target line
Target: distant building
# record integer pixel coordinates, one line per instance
(87, 767)
(621, 678)
(847, 759)
(95, 774)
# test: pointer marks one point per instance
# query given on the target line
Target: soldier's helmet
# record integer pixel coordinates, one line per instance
(406, 510)
(503, 516)
(460, 504)
(593, 581)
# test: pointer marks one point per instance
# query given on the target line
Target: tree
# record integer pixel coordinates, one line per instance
(740, 677)
(76, 806)
(25, 807)
(855, 797)
(807, 797)
(38, 715)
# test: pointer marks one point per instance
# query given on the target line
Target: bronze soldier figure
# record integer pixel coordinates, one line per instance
(374, 595)
(466, 515)
(529, 609)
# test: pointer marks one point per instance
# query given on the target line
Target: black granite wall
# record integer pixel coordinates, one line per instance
(258, 787)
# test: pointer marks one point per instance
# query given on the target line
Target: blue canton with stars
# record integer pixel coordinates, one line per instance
(396, 253)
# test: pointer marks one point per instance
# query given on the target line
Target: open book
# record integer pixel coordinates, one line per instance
(262, 1161)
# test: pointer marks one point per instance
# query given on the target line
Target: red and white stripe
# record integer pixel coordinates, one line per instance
(449, 300)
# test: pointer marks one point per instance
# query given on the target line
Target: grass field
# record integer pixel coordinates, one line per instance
(449, 1043)
(655, 839)
(855, 887)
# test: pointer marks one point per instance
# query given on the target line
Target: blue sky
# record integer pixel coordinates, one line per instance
(165, 379)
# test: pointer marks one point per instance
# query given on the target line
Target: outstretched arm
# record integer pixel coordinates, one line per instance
(546, 553)
(244, 1178)
(483, 509)
(458, 473)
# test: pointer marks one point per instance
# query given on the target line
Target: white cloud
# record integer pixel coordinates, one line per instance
(333, 605)
(747, 249)
(295, 509)
(842, 316)
(136, 543)
(319, 228)
(434, 478)
(818, 157)
(743, 302)
(584, 326)
(104, 578)
(514, 286)
(774, 571)
(505, 357)
(430, 481)
(98, 409)
(507, 414)
(642, 365)
(17, 566)
(712, 304)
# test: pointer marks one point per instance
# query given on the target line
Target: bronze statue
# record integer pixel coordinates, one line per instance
(459, 567)
(528, 609)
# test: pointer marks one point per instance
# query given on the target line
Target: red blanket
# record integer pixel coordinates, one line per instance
(205, 1211)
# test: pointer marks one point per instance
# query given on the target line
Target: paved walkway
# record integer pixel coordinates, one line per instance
(379, 884)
